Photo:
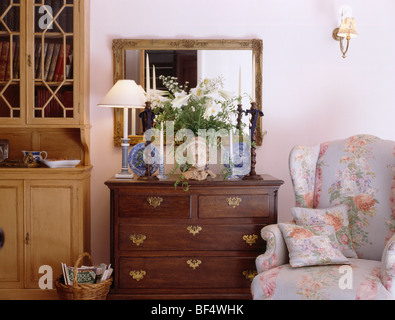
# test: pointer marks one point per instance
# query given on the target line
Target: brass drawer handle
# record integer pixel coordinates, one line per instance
(154, 201)
(233, 202)
(137, 274)
(194, 263)
(250, 239)
(138, 238)
(194, 229)
(249, 274)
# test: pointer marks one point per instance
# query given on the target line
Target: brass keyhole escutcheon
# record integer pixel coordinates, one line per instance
(138, 239)
(194, 263)
(194, 229)
(154, 201)
(250, 238)
(137, 274)
(233, 201)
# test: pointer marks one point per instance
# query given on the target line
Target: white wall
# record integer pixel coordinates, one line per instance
(310, 94)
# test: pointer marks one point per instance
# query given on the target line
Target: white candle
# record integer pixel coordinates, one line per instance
(133, 122)
(125, 123)
(154, 78)
(161, 143)
(230, 145)
(240, 82)
(147, 79)
(253, 78)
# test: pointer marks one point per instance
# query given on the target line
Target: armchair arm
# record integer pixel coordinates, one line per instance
(388, 266)
(276, 253)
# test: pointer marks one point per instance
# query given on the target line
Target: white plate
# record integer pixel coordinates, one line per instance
(60, 163)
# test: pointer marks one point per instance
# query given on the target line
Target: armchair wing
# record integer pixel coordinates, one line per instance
(388, 266)
(276, 253)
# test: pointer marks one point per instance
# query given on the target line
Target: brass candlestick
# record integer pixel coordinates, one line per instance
(149, 117)
(255, 113)
(239, 116)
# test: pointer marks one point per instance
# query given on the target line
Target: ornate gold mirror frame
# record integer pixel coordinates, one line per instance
(120, 46)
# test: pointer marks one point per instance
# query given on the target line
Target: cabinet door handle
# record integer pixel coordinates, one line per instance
(194, 263)
(137, 274)
(233, 201)
(29, 60)
(250, 238)
(194, 229)
(138, 239)
(154, 201)
(249, 274)
(27, 238)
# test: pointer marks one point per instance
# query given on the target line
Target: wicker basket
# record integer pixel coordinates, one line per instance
(86, 291)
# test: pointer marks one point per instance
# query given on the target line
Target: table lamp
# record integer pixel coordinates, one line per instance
(124, 94)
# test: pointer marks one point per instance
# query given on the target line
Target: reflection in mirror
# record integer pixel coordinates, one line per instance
(189, 66)
(189, 61)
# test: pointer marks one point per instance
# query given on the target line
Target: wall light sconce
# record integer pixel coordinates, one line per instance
(347, 28)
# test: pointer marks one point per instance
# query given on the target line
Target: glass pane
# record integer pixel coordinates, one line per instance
(53, 59)
(9, 100)
(54, 105)
(55, 16)
(10, 14)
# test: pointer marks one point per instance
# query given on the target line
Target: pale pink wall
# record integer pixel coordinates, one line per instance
(310, 93)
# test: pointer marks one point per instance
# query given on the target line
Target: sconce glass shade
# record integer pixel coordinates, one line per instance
(124, 94)
(347, 28)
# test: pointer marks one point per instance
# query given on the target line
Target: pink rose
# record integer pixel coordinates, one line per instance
(364, 202)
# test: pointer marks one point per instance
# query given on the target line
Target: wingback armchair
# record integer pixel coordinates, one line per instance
(341, 242)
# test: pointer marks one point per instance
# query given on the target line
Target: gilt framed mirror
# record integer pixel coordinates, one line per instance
(188, 60)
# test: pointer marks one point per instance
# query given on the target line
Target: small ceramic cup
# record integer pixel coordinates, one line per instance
(37, 155)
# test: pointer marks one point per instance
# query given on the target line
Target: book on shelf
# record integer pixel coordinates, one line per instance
(41, 59)
(59, 72)
(69, 65)
(54, 60)
(86, 274)
(10, 62)
(48, 58)
(16, 62)
(3, 59)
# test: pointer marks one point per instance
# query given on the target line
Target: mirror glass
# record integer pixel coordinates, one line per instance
(229, 59)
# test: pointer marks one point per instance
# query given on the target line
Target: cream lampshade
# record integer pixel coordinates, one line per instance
(348, 28)
(124, 94)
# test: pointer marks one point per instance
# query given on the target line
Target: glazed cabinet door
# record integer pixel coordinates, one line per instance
(53, 50)
(52, 224)
(12, 48)
(11, 221)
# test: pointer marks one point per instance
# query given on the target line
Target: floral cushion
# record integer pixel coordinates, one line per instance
(312, 245)
(358, 281)
(337, 217)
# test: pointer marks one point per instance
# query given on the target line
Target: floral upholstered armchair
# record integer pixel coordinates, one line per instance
(341, 242)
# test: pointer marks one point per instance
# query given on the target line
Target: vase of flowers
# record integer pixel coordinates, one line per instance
(205, 113)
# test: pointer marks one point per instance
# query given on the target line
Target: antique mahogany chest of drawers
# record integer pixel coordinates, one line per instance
(168, 243)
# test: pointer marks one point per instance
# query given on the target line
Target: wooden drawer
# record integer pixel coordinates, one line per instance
(190, 237)
(153, 205)
(234, 205)
(186, 272)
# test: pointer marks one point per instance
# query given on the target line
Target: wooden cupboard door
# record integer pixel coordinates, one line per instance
(11, 221)
(52, 221)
